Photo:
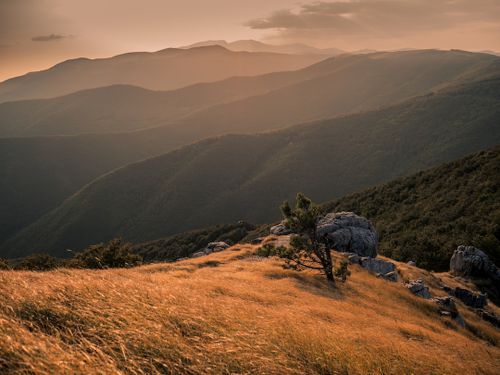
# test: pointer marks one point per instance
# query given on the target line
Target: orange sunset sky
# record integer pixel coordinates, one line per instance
(35, 34)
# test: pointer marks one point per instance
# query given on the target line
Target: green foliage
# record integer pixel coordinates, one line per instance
(424, 217)
(114, 254)
(306, 249)
(4, 264)
(38, 262)
(342, 271)
(269, 250)
(185, 244)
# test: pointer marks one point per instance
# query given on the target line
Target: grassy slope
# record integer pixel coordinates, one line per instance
(246, 177)
(230, 313)
(335, 86)
(424, 217)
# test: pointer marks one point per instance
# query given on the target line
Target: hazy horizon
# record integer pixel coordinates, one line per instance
(35, 35)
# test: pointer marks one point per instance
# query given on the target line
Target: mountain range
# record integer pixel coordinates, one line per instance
(257, 46)
(167, 69)
(245, 177)
(335, 86)
(259, 104)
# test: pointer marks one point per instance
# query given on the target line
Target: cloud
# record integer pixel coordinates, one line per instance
(48, 38)
(379, 18)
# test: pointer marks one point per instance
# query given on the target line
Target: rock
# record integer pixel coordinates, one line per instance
(377, 266)
(469, 261)
(468, 297)
(412, 263)
(418, 288)
(449, 308)
(198, 254)
(382, 268)
(389, 276)
(280, 229)
(348, 232)
(489, 317)
(354, 259)
(214, 247)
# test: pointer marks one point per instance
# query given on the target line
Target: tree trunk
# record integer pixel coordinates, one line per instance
(328, 266)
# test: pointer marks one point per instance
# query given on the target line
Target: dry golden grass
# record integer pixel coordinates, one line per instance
(233, 313)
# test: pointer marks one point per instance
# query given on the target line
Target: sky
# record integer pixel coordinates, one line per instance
(36, 34)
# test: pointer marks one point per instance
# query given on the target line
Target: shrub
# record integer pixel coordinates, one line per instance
(39, 262)
(114, 254)
(4, 264)
(269, 250)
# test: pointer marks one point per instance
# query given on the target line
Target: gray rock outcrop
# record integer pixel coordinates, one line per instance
(468, 297)
(382, 268)
(448, 307)
(214, 247)
(348, 232)
(469, 261)
(280, 229)
(418, 288)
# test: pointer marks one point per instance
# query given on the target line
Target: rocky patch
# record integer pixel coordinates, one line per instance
(348, 232)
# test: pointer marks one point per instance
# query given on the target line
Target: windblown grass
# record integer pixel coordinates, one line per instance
(229, 313)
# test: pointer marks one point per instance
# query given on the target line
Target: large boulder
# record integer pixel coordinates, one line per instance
(348, 232)
(468, 261)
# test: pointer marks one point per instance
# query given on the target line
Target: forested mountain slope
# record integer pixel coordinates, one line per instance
(246, 177)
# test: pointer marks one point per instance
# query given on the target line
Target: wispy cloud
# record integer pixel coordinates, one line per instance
(379, 18)
(49, 38)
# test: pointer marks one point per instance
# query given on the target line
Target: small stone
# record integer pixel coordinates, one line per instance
(412, 263)
(280, 229)
(376, 265)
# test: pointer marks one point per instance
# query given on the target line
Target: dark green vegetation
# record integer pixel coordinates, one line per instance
(185, 244)
(332, 87)
(424, 217)
(245, 177)
(113, 254)
(340, 85)
(167, 69)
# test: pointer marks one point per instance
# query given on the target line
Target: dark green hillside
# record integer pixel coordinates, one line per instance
(246, 177)
(187, 243)
(424, 217)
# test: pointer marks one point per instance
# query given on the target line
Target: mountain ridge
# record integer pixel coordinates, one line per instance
(324, 160)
